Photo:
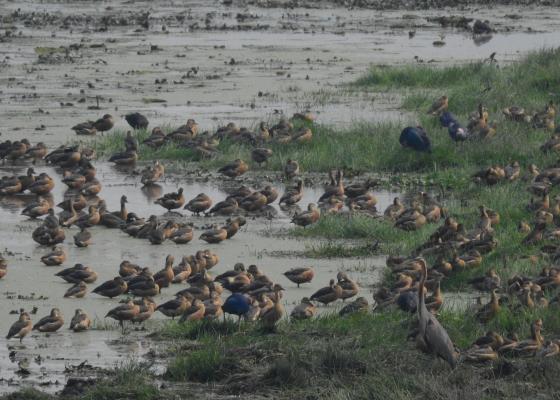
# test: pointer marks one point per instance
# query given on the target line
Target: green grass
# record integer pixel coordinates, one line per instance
(342, 358)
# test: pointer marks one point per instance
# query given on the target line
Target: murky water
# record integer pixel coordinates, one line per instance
(257, 243)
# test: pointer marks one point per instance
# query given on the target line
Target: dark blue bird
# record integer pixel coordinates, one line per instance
(415, 138)
(408, 301)
(237, 304)
(457, 132)
(446, 119)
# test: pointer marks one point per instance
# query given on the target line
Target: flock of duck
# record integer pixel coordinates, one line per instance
(253, 295)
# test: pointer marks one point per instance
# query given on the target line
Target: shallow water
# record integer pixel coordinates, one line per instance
(257, 243)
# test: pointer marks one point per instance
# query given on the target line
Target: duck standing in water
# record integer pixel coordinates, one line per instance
(50, 323)
(80, 321)
(21, 327)
(415, 138)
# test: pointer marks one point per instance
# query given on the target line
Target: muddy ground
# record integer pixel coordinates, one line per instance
(62, 63)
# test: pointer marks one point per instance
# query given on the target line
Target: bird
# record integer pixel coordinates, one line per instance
(56, 257)
(172, 201)
(152, 174)
(112, 288)
(432, 337)
(415, 138)
(80, 321)
(328, 294)
(237, 304)
(200, 203)
(271, 316)
(77, 291)
(291, 169)
(234, 169)
(124, 312)
(21, 327)
(305, 310)
(136, 120)
(439, 106)
(358, 305)
(82, 238)
(300, 275)
(50, 323)
(195, 312)
(261, 155)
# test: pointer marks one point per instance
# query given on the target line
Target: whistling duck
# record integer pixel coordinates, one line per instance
(234, 169)
(77, 274)
(309, 217)
(37, 152)
(172, 201)
(92, 187)
(293, 195)
(112, 288)
(232, 226)
(56, 257)
(43, 185)
(182, 235)
(77, 291)
(80, 321)
(349, 287)
(175, 307)
(152, 174)
(254, 202)
(82, 238)
(50, 323)
(144, 288)
(291, 169)
(147, 308)
(360, 305)
(215, 235)
(195, 312)
(529, 347)
(486, 283)
(305, 310)
(124, 312)
(439, 106)
(127, 157)
(73, 180)
(489, 310)
(156, 139)
(21, 328)
(36, 209)
(165, 276)
(328, 294)
(27, 180)
(126, 268)
(261, 155)
(271, 316)
(199, 204)
(136, 120)
(300, 275)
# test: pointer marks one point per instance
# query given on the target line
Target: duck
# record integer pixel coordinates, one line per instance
(112, 288)
(232, 226)
(77, 291)
(127, 157)
(182, 235)
(328, 294)
(529, 347)
(21, 328)
(92, 218)
(104, 123)
(415, 138)
(78, 273)
(152, 174)
(291, 169)
(56, 257)
(136, 120)
(147, 308)
(195, 312)
(200, 203)
(64, 156)
(300, 275)
(156, 139)
(18, 149)
(172, 201)
(124, 312)
(80, 321)
(254, 202)
(82, 238)
(227, 207)
(307, 218)
(36, 209)
(550, 348)
(165, 276)
(292, 195)
(413, 221)
(305, 310)
(215, 235)
(37, 152)
(478, 354)
(360, 305)
(234, 169)
(490, 310)
(126, 268)
(43, 185)
(349, 287)
(336, 191)
(174, 307)
(270, 317)
(10, 185)
(439, 106)
(261, 155)
(144, 288)
(91, 188)
(50, 323)
(486, 283)
(394, 211)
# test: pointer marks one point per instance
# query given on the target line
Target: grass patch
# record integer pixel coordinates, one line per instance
(203, 365)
